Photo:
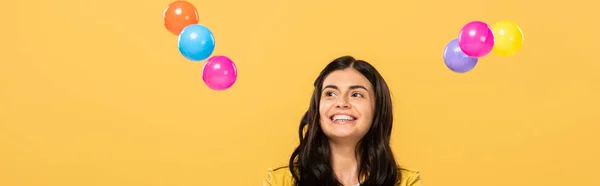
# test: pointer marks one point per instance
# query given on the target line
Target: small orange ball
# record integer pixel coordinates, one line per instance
(178, 15)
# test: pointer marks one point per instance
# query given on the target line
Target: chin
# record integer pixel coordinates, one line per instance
(339, 131)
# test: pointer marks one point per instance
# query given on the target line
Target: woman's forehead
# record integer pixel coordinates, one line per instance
(346, 78)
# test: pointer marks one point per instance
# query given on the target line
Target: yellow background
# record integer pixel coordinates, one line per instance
(97, 93)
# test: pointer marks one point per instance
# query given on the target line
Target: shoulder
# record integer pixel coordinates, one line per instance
(409, 177)
(280, 176)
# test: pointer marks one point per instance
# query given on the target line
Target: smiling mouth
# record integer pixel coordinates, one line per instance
(342, 118)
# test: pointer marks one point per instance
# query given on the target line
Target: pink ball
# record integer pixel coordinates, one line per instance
(476, 39)
(219, 73)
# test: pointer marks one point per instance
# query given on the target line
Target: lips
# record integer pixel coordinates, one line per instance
(342, 118)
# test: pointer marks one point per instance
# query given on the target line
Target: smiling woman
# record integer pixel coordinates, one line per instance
(346, 106)
(345, 134)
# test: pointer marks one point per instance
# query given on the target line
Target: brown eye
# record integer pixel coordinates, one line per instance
(357, 95)
(329, 93)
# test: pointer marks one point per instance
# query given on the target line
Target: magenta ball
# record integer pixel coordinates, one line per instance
(219, 73)
(476, 39)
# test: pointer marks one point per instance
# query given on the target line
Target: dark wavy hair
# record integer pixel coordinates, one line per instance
(310, 163)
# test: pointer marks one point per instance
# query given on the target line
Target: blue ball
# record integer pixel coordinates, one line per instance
(196, 42)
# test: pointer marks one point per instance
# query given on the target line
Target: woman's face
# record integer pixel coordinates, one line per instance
(347, 105)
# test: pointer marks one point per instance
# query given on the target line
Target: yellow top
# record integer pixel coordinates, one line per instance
(283, 177)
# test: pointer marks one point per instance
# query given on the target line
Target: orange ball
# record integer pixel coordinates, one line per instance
(178, 15)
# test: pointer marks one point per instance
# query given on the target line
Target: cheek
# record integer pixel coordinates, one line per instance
(366, 109)
(324, 106)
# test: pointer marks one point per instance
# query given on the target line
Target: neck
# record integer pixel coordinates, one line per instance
(345, 163)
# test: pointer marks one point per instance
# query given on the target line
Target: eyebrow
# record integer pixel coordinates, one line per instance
(351, 87)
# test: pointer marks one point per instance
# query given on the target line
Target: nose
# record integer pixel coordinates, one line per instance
(342, 103)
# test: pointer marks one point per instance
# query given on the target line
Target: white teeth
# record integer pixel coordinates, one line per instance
(343, 118)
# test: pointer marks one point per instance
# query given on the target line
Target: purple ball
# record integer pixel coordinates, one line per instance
(456, 60)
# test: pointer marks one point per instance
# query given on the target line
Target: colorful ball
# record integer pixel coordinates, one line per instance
(476, 39)
(219, 73)
(456, 60)
(508, 38)
(178, 15)
(196, 42)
